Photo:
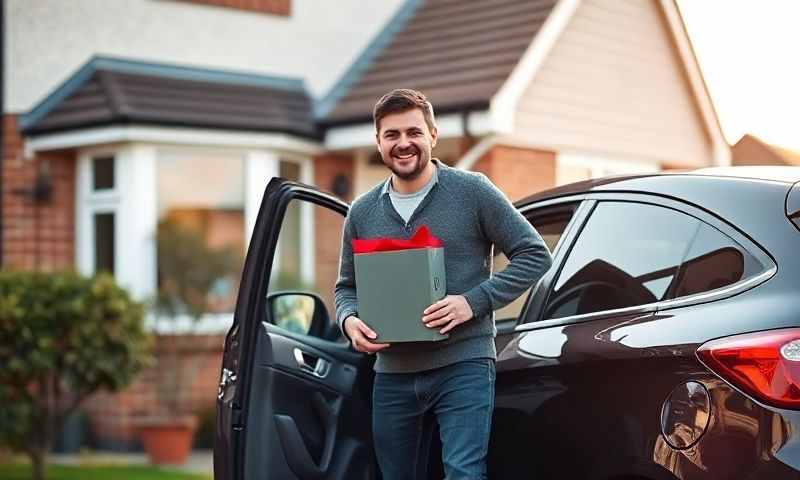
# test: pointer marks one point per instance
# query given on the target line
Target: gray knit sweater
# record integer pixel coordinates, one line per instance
(469, 214)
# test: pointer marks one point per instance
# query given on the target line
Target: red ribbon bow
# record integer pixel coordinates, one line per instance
(421, 239)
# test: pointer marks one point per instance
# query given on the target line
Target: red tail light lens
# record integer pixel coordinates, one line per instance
(765, 365)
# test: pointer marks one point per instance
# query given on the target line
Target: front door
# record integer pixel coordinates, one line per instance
(294, 399)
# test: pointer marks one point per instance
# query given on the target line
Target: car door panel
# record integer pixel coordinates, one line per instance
(551, 384)
(291, 405)
(339, 363)
(305, 411)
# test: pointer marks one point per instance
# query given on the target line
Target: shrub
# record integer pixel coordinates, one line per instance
(62, 337)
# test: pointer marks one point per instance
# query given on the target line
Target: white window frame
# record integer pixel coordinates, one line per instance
(132, 201)
(89, 202)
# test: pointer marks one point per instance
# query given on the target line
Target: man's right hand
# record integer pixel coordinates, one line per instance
(360, 335)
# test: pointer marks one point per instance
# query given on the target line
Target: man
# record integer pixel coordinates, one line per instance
(451, 381)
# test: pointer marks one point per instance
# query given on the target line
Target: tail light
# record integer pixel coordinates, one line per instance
(765, 365)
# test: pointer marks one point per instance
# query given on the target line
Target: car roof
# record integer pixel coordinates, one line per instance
(660, 183)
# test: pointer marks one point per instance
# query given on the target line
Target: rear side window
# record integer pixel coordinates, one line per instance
(631, 254)
(713, 261)
(550, 223)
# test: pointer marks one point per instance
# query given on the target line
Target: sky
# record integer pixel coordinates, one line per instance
(749, 53)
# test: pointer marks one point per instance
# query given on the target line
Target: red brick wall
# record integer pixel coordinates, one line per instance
(36, 237)
(112, 417)
(275, 7)
(518, 172)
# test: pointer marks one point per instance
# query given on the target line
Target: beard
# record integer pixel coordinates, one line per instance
(407, 172)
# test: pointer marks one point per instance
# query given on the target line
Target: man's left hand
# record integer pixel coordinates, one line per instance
(450, 311)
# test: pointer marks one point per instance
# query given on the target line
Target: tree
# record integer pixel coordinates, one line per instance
(62, 337)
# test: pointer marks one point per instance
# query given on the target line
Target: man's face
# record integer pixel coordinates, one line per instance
(405, 143)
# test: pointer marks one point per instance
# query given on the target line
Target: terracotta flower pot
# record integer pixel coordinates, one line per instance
(167, 440)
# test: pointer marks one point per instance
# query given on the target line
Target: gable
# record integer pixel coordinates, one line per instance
(614, 83)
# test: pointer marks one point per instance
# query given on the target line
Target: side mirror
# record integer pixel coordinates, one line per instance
(298, 312)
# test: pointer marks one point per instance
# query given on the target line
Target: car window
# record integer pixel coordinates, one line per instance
(631, 254)
(627, 254)
(713, 261)
(550, 223)
(306, 260)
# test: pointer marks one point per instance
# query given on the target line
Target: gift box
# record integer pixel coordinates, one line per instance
(396, 280)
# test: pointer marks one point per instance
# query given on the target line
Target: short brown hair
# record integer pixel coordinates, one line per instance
(401, 100)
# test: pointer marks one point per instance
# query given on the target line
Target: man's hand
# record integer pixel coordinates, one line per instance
(450, 311)
(360, 335)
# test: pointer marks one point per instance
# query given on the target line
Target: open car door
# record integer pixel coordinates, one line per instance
(294, 398)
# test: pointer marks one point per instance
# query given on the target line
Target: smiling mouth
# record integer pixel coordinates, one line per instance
(405, 156)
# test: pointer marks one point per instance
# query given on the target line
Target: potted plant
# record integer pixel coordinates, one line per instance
(189, 272)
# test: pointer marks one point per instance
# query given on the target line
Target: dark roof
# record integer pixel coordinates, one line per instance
(457, 52)
(112, 91)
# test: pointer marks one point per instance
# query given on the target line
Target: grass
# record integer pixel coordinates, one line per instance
(98, 472)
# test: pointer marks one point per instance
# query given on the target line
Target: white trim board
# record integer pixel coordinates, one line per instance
(164, 135)
(505, 101)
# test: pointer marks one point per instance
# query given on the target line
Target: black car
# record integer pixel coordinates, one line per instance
(663, 343)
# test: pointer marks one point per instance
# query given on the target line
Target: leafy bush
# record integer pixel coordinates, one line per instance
(62, 337)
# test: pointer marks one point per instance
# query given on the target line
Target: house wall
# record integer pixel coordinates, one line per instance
(518, 172)
(328, 225)
(112, 417)
(613, 84)
(316, 41)
(36, 236)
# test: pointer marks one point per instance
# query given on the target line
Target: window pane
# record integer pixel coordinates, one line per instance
(550, 227)
(104, 242)
(714, 261)
(201, 231)
(626, 255)
(103, 173)
(307, 254)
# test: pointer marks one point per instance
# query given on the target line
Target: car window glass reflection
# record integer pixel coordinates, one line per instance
(713, 261)
(627, 254)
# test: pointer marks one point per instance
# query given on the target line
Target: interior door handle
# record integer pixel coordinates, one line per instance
(311, 364)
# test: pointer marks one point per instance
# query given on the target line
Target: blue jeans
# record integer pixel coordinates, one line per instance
(460, 397)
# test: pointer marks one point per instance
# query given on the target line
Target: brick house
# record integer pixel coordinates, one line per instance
(183, 110)
(751, 151)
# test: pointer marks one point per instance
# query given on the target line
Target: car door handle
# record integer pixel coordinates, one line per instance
(311, 364)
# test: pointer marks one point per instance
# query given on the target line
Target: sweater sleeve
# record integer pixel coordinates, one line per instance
(505, 227)
(345, 289)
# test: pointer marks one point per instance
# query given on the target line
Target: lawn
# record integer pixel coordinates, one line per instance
(98, 472)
